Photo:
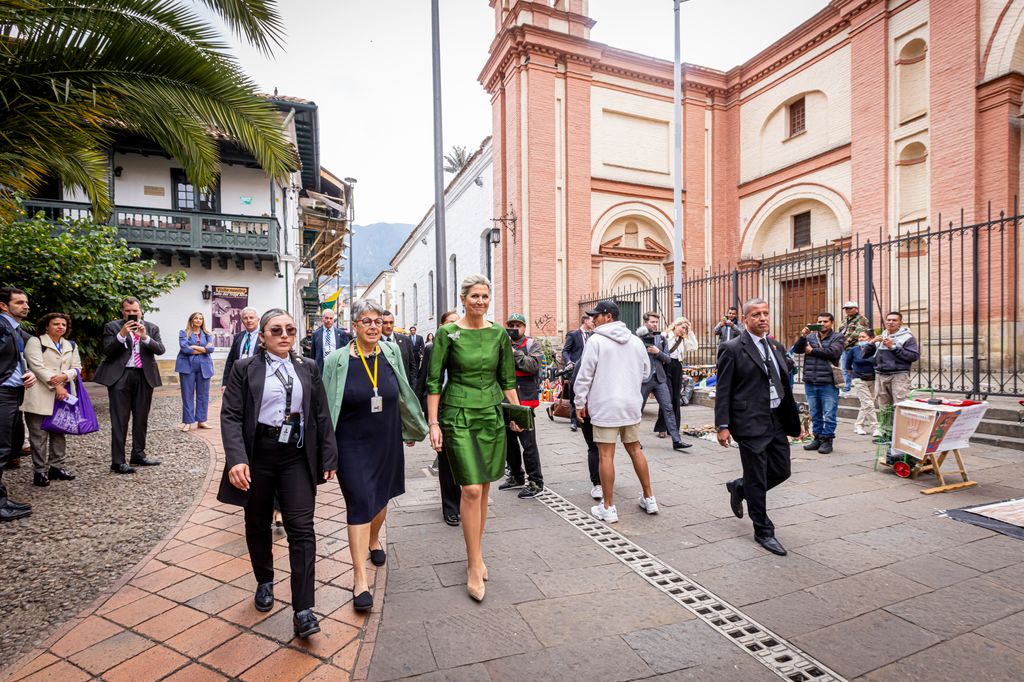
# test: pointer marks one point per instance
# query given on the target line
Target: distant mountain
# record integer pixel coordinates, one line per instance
(375, 245)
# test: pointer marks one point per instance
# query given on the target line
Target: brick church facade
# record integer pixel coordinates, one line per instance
(870, 119)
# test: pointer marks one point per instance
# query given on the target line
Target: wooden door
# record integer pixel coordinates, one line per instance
(802, 300)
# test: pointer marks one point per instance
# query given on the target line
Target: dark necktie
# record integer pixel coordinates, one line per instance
(773, 372)
(245, 349)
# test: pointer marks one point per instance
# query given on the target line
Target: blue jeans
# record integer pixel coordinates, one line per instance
(195, 397)
(823, 401)
(845, 360)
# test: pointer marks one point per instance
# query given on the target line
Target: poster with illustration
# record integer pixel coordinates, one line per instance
(226, 313)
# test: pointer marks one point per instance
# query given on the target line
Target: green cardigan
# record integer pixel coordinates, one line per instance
(414, 424)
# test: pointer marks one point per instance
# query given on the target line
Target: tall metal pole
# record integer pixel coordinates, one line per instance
(677, 185)
(351, 200)
(440, 249)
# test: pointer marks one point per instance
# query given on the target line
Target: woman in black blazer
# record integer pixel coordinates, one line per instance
(278, 439)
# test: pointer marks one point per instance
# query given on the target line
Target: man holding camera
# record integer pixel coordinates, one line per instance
(821, 347)
(657, 382)
(528, 357)
(730, 327)
(130, 373)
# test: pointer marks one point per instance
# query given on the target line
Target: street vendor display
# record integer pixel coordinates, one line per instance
(929, 430)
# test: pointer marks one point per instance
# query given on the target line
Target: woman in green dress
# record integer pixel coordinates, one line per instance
(476, 355)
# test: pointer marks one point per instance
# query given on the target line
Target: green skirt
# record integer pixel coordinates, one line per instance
(474, 439)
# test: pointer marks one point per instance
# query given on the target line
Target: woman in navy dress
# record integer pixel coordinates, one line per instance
(374, 410)
(194, 366)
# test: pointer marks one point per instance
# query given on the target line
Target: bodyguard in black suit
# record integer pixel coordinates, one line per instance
(246, 342)
(322, 349)
(14, 379)
(754, 405)
(130, 373)
(451, 493)
(278, 439)
(572, 351)
(404, 343)
(417, 345)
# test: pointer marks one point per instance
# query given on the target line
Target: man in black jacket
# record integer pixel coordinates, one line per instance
(754, 405)
(822, 350)
(404, 343)
(130, 373)
(327, 339)
(528, 357)
(246, 342)
(572, 351)
(14, 379)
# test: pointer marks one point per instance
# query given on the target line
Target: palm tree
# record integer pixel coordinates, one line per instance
(73, 72)
(454, 162)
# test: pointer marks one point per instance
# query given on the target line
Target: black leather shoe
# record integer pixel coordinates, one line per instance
(264, 598)
(11, 504)
(573, 427)
(305, 623)
(771, 544)
(145, 462)
(680, 445)
(826, 446)
(60, 474)
(122, 468)
(378, 557)
(814, 444)
(735, 498)
(9, 513)
(363, 601)
(14, 462)
(452, 519)
(40, 480)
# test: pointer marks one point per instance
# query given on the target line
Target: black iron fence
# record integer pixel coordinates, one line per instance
(958, 287)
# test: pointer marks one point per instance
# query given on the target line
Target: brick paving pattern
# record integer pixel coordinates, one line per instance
(186, 613)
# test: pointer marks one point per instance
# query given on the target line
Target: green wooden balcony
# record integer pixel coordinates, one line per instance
(161, 233)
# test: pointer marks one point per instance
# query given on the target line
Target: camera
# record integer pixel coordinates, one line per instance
(647, 336)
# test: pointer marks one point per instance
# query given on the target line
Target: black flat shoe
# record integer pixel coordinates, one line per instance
(122, 468)
(9, 513)
(60, 474)
(304, 623)
(363, 601)
(771, 544)
(264, 598)
(378, 557)
(40, 480)
(735, 498)
(679, 445)
(145, 462)
(452, 520)
(11, 504)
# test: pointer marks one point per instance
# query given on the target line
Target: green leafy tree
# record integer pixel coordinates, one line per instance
(74, 71)
(79, 268)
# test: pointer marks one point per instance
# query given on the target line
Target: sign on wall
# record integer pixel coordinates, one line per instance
(227, 313)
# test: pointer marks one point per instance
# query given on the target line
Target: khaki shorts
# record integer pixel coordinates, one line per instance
(609, 434)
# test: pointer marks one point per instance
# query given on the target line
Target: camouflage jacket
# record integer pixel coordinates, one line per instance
(851, 327)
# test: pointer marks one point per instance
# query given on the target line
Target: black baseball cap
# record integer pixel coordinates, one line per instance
(604, 308)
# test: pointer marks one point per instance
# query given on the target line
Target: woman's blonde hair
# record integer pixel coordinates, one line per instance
(188, 325)
(678, 322)
(470, 281)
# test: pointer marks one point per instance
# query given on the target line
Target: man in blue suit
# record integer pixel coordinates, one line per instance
(328, 339)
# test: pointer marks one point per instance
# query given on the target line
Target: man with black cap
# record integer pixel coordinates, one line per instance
(528, 357)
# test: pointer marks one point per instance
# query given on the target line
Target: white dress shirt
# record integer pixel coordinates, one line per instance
(272, 409)
(760, 349)
(15, 379)
(251, 338)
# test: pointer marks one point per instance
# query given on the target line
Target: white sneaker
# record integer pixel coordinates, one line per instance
(649, 504)
(596, 492)
(609, 515)
(859, 431)
(877, 433)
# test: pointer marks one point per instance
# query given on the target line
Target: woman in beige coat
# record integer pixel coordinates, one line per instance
(56, 363)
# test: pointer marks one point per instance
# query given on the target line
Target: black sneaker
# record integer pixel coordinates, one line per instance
(530, 491)
(826, 446)
(814, 444)
(510, 483)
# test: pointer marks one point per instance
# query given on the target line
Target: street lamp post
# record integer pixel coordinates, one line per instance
(677, 185)
(350, 203)
(440, 248)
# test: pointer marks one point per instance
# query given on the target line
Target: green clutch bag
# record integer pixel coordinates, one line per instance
(523, 416)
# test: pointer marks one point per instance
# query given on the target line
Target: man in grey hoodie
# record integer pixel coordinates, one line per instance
(607, 389)
(893, 352)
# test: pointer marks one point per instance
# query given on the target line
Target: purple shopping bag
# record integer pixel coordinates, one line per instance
(73, 420)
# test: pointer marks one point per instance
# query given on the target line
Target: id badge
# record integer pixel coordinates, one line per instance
(774, 394)
(286, 433)
(71, 399)
(376, 404)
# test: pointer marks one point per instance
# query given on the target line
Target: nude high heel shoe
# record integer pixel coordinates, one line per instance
(475, 593)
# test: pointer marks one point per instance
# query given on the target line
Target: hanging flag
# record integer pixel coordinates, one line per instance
(331, 300)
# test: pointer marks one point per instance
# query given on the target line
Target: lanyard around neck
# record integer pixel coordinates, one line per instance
(366, 366)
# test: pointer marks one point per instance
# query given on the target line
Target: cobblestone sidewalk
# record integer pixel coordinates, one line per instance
(185, 612)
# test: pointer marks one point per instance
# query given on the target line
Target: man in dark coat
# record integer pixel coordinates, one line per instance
(404, 344)
(327, 339)
(15, 377)
(246, 342)
(821, 351)
(754, 405)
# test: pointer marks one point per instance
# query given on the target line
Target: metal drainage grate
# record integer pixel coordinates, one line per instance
(775, 653)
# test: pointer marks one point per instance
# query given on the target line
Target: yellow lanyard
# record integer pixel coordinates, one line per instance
(373, 377)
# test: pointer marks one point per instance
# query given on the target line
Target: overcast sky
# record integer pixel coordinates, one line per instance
(367, 64)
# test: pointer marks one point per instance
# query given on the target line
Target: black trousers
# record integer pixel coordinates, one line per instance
(528, 454)
(12, 430)
(569, 394)
(765, 465)
(674, 374)
(451, 493)
(282, 470)
(132, 397)
(587, 428)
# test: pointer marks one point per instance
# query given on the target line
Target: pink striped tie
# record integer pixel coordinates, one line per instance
(136, 354)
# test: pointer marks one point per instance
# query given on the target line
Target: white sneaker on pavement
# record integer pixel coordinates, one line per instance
(609, 515)
(859, 431)
(596, 492)
(877, 433)
(649, 504)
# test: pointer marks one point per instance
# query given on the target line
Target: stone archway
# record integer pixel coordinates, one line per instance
(631, 237)
(771, 228)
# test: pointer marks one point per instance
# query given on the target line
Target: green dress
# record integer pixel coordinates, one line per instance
(479, 367)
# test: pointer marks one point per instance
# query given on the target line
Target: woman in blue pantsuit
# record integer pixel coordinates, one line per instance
(195, 368)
